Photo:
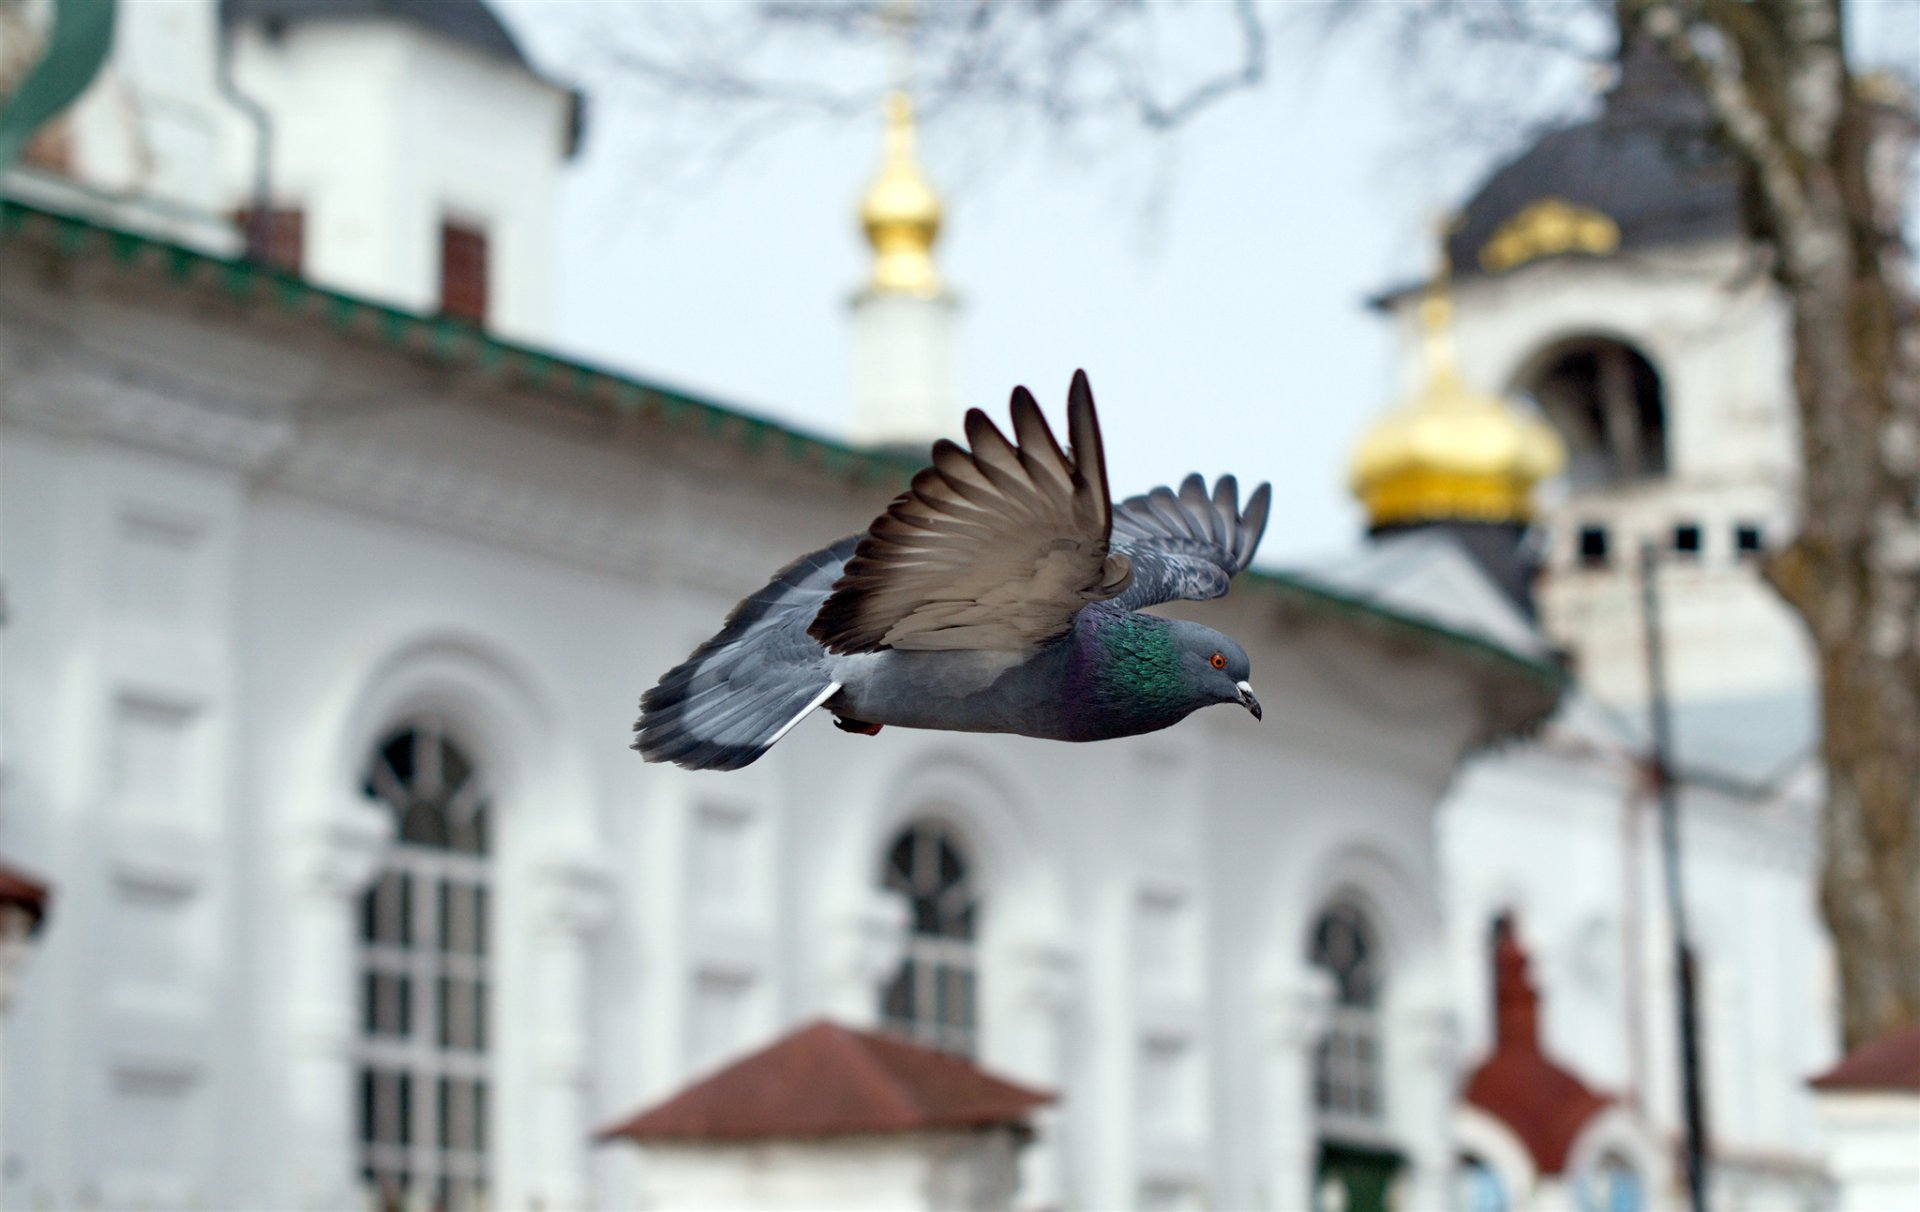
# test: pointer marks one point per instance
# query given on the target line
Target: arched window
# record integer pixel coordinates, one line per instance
(1346, 1065)
(932, 998)
(1612, 1185)
(424, 979)
(1478, 1186)
(1606, 401)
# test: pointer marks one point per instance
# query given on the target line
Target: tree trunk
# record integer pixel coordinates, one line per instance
(1825, 170)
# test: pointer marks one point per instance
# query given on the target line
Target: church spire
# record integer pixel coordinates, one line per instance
(901, 212)
(905, 385)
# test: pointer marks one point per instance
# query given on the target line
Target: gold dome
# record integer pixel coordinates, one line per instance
(1452, 453)
(901, 213)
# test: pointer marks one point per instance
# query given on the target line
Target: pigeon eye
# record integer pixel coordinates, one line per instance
(1218, 662)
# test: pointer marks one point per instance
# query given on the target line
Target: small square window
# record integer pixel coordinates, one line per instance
(1747, 541)
(1686, 539)
(1593, 547)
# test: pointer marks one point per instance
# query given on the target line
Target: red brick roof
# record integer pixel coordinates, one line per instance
(1891, 1062)
(21, 891)
(1545, 1105)
(828, 1080)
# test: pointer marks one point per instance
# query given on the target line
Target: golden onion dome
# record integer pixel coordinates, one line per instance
(1451, 453)
(901, 213)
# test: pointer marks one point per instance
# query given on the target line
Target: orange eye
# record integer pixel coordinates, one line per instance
(1218, 661)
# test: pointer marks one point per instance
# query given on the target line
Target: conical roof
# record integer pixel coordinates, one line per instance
(829, 1080)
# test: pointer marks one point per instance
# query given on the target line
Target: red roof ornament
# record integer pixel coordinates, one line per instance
(1891, 1062)
(828, 1080)
(19, 890)
(1544, 1104)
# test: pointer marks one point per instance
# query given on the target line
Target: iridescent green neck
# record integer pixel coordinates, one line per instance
(1136, 659)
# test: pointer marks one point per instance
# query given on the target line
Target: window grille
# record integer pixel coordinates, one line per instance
(932, 997)
(424, 980)
(1347, 1065)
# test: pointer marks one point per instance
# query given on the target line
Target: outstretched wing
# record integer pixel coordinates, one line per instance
(1187, 545)
(992, 548)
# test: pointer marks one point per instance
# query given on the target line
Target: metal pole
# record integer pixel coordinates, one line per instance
(1691, 1102)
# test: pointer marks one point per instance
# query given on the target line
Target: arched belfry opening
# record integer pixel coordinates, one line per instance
(1608, 404)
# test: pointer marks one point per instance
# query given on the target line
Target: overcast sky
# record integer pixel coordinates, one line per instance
(1211, 283)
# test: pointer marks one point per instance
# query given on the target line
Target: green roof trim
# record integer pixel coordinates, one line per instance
(454, 342)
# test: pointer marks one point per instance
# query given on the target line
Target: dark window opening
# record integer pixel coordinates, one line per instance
(1607, 402)
(1686, 539)
(1593, 547)
(1747, 540)
(463, 273)
(279, 239)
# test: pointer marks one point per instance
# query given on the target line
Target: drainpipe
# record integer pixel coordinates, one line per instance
(260, 216)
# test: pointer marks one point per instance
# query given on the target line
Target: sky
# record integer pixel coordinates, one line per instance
(1212, 283)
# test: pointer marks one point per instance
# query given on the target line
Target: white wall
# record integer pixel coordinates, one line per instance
(381, 130)
(525, 568)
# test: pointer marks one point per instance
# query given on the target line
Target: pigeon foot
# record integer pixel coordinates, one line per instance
(845, 724)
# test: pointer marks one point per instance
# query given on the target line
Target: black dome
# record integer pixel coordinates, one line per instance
(466, 21)
(1646, 162)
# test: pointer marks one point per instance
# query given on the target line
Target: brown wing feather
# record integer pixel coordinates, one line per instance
(996, 546)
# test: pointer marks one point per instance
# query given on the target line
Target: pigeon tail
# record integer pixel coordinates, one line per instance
(742, 690)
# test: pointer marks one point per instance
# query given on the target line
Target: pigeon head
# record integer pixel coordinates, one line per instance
(1146, 672)
(1216, 668)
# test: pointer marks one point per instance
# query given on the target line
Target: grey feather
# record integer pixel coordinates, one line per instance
(1189, 545)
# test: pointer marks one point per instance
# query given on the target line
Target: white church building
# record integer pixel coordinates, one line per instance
(329, 596)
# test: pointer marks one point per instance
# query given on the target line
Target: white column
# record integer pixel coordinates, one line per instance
(1046, 995)
(1296, 1011)
(329, 865)
(906, 389)
(865, 947)
(16, 928)
(1422, 1067)
(573, 897)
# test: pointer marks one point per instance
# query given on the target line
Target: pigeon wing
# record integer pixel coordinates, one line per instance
(1187, 544)
(995, 547)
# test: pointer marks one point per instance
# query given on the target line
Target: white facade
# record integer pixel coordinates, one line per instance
(1871, 1135)
(967, 1171)
(381, 130)
(229, 589)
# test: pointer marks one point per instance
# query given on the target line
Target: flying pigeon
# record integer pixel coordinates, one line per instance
(1002, 592)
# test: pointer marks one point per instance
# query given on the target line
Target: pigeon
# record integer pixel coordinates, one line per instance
(1002, 592)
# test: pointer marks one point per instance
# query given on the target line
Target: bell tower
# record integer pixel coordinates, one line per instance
(905, 373)
(1603, 273)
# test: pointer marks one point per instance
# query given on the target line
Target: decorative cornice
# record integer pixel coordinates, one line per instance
(173, 418)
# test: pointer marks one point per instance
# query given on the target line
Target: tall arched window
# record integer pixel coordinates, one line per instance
(1346, 1065)
(932, 997)
(424, 947)
(1606, 400)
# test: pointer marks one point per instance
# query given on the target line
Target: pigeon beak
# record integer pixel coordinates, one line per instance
(1246, 698)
